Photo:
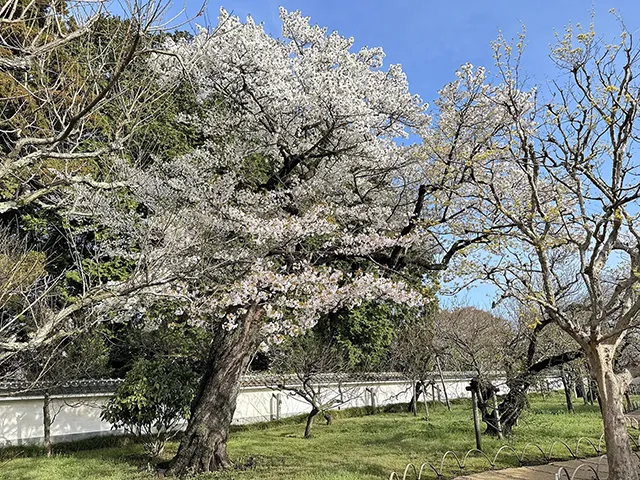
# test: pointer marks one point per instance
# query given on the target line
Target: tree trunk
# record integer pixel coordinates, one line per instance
(328, 418)
(46, 420)
(611, 388)
(567, 390)
(203, 447)
(512, 405)
(590, 392)
(413, 403)
(515, 401)
(307, 429)
(444, 387)
(581, 390)
(418, 389)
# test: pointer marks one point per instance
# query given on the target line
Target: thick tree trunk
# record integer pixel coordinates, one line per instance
(511, 407)
(46, 420)
(307, 429)
(611, 388)
(204, 445)
(515, 401)
(500, 421)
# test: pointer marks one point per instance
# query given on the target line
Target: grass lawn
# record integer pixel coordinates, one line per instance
(358, 448)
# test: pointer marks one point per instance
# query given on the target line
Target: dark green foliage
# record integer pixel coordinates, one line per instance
(159, 334)
(82, 356)
(154, 397)
(363, 334)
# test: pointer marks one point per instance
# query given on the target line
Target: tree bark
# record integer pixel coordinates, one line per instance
(46, 420)
(511, 407)
(515, 401)
(328, 418)
(411, 408)
(307, 429)
(567, 390)
(590, 392)
(415, 397)
(203, 447)
(485, 390)
(581, 390)
(611, 388)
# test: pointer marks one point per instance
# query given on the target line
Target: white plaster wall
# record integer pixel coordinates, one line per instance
(74, 417)
(78, 416)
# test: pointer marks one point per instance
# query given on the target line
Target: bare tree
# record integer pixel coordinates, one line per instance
(473, 340)
(413, 354)
(305, 365)
(535, 348)
(62, 62)
(560, 171)
(75, 96)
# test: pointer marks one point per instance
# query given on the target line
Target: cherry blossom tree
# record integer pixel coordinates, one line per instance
(299, 200)
(560, 171)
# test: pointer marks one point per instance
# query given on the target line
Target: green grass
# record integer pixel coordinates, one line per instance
(357, 448)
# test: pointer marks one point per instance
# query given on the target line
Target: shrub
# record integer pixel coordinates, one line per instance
(152, 401)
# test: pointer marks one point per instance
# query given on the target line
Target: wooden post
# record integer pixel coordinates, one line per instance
(272, 407)
(426, 405)
(433, 393)
(498, 424)
(275, 404)
(476, 420)
(414, 403)
(444, 388)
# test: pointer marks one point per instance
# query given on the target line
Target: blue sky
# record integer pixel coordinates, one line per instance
(431, 39)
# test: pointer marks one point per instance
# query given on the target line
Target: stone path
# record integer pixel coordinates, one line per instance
(588, 467)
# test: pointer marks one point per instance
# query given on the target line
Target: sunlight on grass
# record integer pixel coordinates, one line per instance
(360, 448)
